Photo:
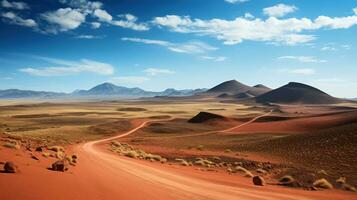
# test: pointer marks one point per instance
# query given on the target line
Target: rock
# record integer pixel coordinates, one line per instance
(34, 157)
(10, 167)
(60, 165)
(258, 180)
(287, 180)
(39, 149)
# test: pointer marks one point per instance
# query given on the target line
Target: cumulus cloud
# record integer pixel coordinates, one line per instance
(14, 19)
(236, 1)
(303, 59)
(355, 10)
(95, 25)
(18, 5)
(213, 58)
(157, 71)
(192, 47)
(70, 68)
(63, 19)
(103, 15)
(288, 31)
(130, 21)
(95, 9)
(128, 79)
(279, 10)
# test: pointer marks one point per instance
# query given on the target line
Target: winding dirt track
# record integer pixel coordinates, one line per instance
(142, 181)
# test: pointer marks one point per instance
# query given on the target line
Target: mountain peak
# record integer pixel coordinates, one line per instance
(231, 86)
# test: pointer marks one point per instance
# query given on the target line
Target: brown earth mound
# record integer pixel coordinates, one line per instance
(205, 116)
(297, 93)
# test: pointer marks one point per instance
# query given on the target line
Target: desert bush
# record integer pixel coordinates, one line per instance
(131, 154)
(286, 180)
(244, 171)
(11, 145)
(55, 148)
(341, 180)
(200, 147)
(261, 171)
(322, 183)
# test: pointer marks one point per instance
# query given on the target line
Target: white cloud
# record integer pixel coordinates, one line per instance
(355, 10)
(88, 37)
(130, 21)
(288, 31)
(95, 25)
(84, 6)
(303, 71)
(103, 15)
(157, 71)
(64, 19)
(303, 59)
(18, 5)
(70, 67)
(128, 79)
(248, 15)
(14, 19)
(192, 47)
(328, 48)
(236, 1)
(279, 10)
(212, 58)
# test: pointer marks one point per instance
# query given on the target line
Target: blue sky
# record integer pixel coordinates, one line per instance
(63, 45)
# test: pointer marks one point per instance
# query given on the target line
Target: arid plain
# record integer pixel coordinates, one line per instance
(178, 148)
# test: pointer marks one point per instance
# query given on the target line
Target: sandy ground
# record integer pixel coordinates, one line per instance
(101, 174)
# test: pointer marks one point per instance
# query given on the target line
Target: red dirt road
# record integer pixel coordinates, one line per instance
(103, 175)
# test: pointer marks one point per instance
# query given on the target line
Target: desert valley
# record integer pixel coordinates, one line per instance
(178, 100)
(232, 141)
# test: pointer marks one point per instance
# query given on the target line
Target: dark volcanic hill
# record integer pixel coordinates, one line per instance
(231, 86)
(204, 117)
(297, 93)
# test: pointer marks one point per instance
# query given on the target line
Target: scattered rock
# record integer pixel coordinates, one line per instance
(258, 180)
(56, 148)
(244, 171)
(322, 183)
(10, 167)
(39, 149)
(60, 165)
(262, 171)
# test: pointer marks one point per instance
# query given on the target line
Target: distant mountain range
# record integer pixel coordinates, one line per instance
(102, 90)
(291, 93)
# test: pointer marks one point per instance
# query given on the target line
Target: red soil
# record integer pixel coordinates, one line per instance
(299, 124)
(101, 174)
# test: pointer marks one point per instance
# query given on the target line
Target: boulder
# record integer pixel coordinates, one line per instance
(60, 165)
(258, 180)
(10, 167)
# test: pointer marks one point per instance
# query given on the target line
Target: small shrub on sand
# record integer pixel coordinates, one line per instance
(11, 145)
(261, 171)
(182, 162)
(341, 180)
(286, 180)
(322, 183)
(45, 154)
(244, 171)
(200, 147)
(131, 154)
(163, 160)
(228, 151)
(323, 172)
(55, 148)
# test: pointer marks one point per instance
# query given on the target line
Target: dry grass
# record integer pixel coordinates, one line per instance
(322, 183)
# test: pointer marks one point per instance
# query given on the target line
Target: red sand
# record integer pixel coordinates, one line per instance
(101, 174)
(298, 124)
